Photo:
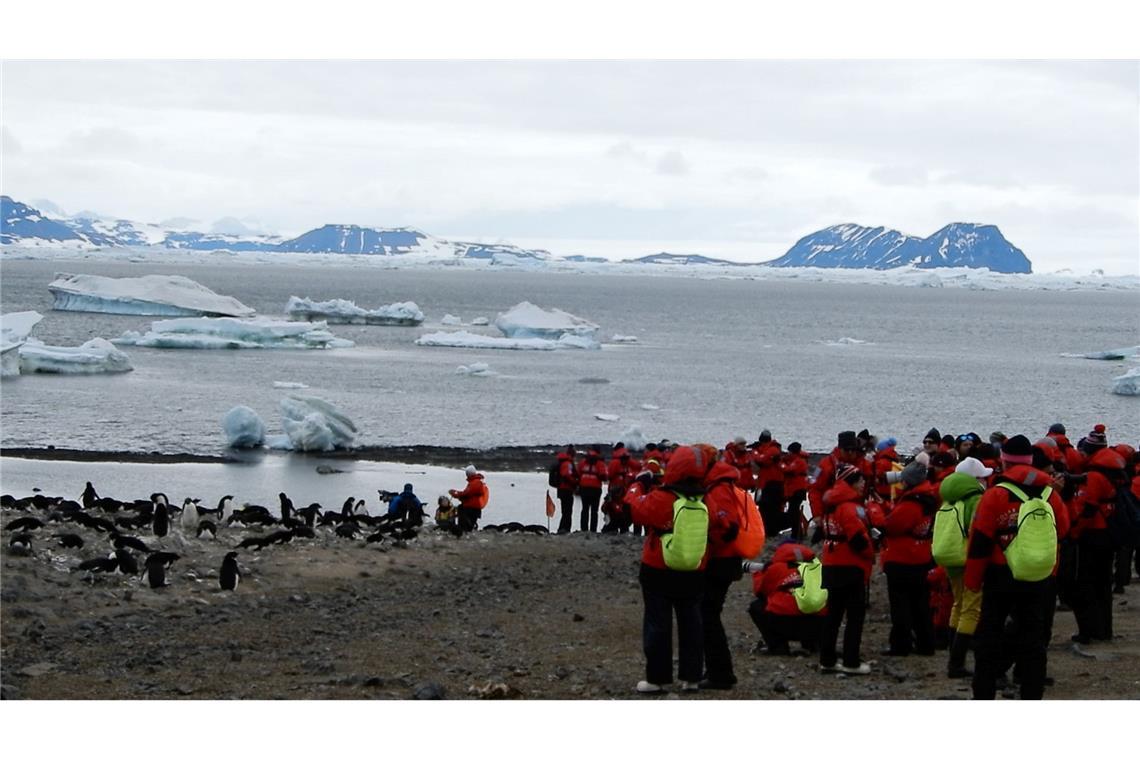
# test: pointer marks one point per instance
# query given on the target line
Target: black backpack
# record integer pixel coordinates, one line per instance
(553, 479)
(1124, 522)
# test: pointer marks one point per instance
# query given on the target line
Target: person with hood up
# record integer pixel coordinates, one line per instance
(886, 460)
(906, 561)
(472, 499)
(965, 484)
(848, 556)
(1089, 513)
(994, 527)
(1074, 460)
(407, 507)
(592, 473)
(666, 592)
(775, 611)
(567, 486)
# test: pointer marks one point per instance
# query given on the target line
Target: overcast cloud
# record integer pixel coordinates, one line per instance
(737, 159)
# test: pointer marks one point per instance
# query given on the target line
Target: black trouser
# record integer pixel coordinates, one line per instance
(771, 506)
(909, 597)
(795, 512)
(566, 502)
(591, 498)
(1122, 575)
(719, 575)
(1049, 611)
(665, 593)
(846, 595)
(1092, 601)
(469, 518)
(1002, 598)
(778, 630)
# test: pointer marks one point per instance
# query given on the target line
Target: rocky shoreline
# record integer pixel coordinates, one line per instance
(488, 615)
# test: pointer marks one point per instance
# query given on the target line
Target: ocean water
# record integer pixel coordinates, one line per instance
(718, 357)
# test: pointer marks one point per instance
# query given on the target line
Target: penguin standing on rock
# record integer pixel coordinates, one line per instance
(161, 524)
(230, 576)
(156, 565)
(188, 520)
(286, 507)
(89, 497)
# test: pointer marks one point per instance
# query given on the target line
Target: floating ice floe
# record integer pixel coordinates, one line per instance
(624, 339)
(451, 320)
(650, 407)
(314, 424)
(243, 428)
(606, 417)
(226, 332)
(846, 342)
(1113, 354)
(478, 369)
(464, 339)
(525, 320)
(289, 386)
(151, 295)
(480, 322)
(93, 357)
(341, 312)
(1127, 384)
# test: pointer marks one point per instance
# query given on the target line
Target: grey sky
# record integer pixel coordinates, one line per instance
(737, 159)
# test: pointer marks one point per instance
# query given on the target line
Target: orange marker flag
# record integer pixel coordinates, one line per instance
(549, 505)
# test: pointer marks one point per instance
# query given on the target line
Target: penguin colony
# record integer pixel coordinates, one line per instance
(135, 537)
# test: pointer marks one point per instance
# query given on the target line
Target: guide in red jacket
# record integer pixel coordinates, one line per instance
(668, 592)
(737, 455)
(723, 499)
(848, 451)
(993, 529)
(906, 560)
(472, 499)
(770, 478)
(1094, 504)
(567, 485)
(794, 465)
(592, 473)
(847, 559)
(774, 610)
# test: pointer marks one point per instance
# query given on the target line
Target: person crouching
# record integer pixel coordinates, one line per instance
(775, 610)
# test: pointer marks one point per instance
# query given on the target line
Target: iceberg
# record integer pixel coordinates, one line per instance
(480, 322)
(243, 428)
(606, 417)
(623, 339)
(341, 312)
(478, 369)
(846, 342)
(10, 360)
(314, 424)
(150, 295)
(450, 320)
(288, 385)
(464, 339)
(95, 356)
(1127, 384)
(227, 332)
(17, 326)
(525, 320)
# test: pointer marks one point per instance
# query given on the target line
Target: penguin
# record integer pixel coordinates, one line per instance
(347, 530)
(166, 559)
(188, 520)
(230, 575)
(286, 507)
(128, 565)
(89, 497)
(69, 540)
(130, 542)
(24, 524)
(360, 510)
(225, 507)
(207, 526)
(303, 531)
(256, 543)
(108, 564)
(20, 543)
(95, 523)
(161, 524)
(156, 565)
(310, 513)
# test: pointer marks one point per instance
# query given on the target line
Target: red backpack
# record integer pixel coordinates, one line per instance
(749, 540)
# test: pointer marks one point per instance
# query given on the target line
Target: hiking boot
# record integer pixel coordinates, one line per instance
(645, 687)
(833, 668)
(708, 683)
(956, 667)
(690, 686)
(861, 669)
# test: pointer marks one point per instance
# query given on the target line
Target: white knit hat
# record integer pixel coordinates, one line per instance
(973, 468)
(470, 469)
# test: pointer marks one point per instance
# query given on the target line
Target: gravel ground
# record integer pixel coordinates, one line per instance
(486, 616)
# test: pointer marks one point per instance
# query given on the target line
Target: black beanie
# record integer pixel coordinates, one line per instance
(847, 440)
(1056, 429)
(933, 435)
(1019, 445)
(794, 447)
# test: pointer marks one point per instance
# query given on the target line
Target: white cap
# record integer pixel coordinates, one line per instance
(973, 468)
(740, 440)
(470, 469)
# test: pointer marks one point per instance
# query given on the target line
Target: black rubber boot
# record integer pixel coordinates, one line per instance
(959, 646)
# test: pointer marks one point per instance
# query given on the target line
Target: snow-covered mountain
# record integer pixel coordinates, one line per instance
(679, 259)
(20, 222)
(852, 246)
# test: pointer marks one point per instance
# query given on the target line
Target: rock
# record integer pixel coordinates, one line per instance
(896, 673)
(374, 682)
(491, 690)
(39, 669)
(578, 618)
(561, 672)
(184, 690)
(780, 687)
(8, 691)
(428, 690)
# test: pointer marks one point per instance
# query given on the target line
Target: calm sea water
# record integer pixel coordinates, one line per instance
(718, 357)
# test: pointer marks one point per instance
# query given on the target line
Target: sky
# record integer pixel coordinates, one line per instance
(736, 159)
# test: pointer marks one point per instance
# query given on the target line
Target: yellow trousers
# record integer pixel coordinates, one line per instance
(967, 605)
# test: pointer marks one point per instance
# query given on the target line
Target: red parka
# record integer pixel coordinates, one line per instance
(846, 540)
(567, 472)
(795, 469)
(910, 526)
(781, 576)
(722, 498)
(767, 458)
(592, 472)
(474, 496)
(688, 467)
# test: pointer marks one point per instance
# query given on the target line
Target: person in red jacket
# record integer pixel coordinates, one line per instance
(567, 485)
(847, 451)
(667, 592)
(1089, 513)
(1122, 571)
(906, 561)
(621, 471)
(736, 454)
(994, 527)
(592, 473)
(941, 465)
(770, 478)
(847, 559)
(941, 605)
(723, 500)
(774, 610)
(886, 460)
(794, 465)
(1074, 460)
(472, 499)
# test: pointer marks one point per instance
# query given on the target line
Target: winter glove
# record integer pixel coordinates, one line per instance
(731, 534)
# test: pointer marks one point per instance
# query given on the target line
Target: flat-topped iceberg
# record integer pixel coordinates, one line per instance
(464, 339)
(525, 320)
(341, 312)
(1127, 384)
(150, 295)
(314, 424)
(227, 332)
(93, 357)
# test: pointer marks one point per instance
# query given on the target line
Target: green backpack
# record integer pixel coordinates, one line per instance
(684, 546)
(949, 543)
(811, 597)
(1033, 552)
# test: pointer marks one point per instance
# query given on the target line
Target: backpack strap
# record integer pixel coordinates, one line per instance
(1045, 494)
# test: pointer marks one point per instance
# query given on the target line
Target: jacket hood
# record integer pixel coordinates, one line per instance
(476, 476)
(688, 463)
(719, 472)
(958, 486)
(839, 493)
(792, 553)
